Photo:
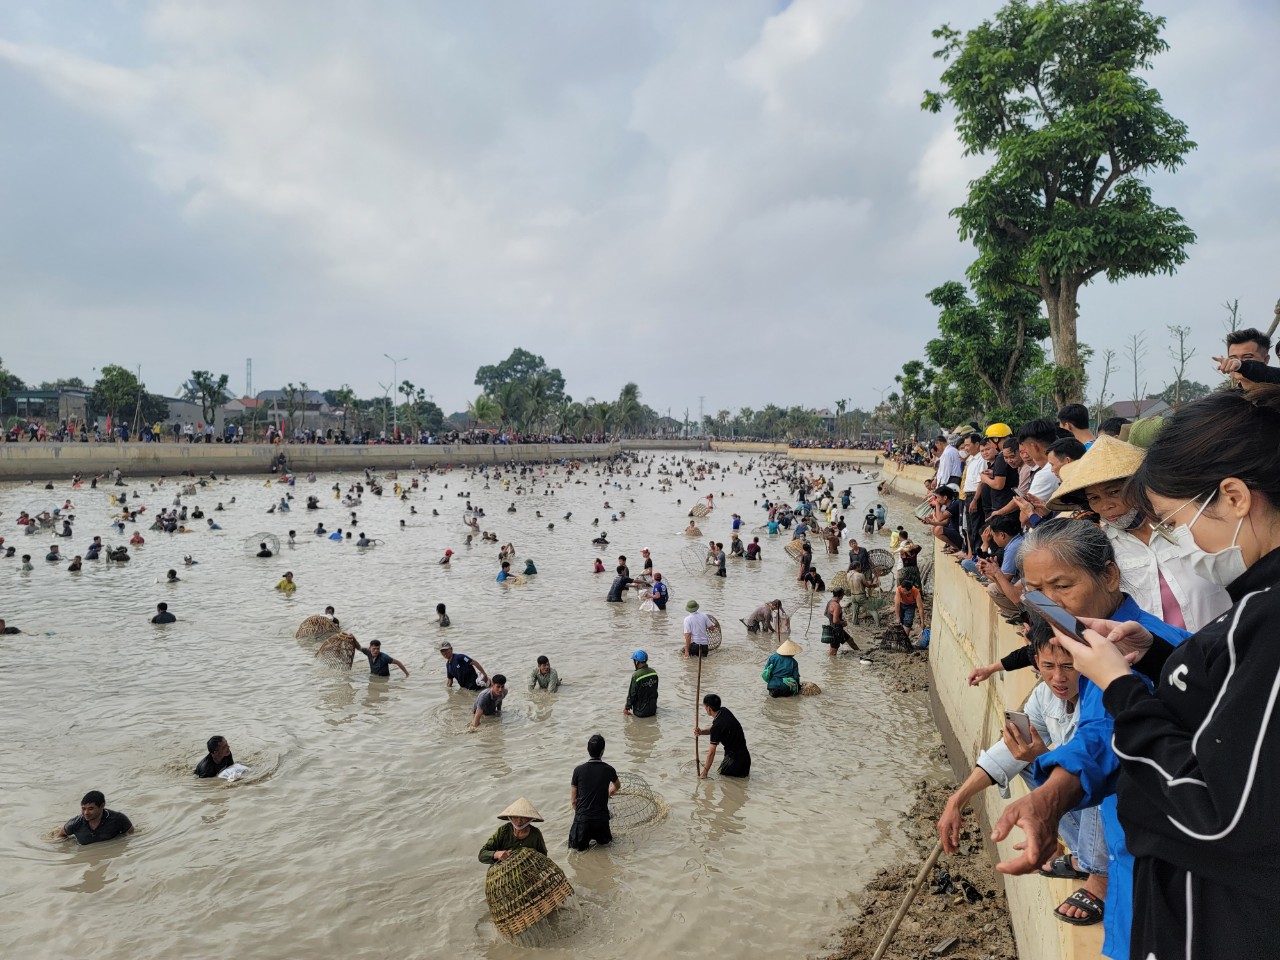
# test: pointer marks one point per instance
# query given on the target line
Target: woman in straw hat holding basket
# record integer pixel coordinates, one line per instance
(516, 834)
(781, 672)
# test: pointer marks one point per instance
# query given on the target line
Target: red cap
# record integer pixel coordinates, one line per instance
(448, 553)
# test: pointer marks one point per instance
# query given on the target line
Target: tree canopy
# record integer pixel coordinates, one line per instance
(519, 368)
(1052, 90)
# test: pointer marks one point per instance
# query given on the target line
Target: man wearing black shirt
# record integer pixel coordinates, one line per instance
(217, 760)
(726, 730)
(95, 823)
(163, 615)
(593, 783)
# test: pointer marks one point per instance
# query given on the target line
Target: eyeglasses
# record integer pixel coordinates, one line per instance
(1164, 529)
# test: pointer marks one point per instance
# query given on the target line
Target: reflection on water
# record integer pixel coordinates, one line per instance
(357, 830)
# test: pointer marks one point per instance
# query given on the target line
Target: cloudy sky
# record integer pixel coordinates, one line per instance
(740, 199)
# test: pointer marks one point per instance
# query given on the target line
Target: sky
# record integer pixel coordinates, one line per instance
(733, 200)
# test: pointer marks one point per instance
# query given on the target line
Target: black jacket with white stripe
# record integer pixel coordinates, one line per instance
(1199, 789)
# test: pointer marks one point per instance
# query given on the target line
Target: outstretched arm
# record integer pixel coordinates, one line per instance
(402, 667)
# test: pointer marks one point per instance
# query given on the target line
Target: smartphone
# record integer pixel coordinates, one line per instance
(1037, 601)
(1021, 722)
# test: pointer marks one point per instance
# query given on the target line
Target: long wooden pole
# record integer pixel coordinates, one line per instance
(906, 903)
(697, 700)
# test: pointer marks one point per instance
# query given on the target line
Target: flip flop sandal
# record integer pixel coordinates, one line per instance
(1061, 868)
(1082, 899)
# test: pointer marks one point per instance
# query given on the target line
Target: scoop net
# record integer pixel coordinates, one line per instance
(809, 689)
(881, 560)
(522, 889)
(338, 652)
(270, 539)
(635, 804)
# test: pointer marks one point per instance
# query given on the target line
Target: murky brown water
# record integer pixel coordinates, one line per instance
(356, 834)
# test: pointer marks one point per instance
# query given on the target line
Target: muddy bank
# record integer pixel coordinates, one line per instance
(960, 915)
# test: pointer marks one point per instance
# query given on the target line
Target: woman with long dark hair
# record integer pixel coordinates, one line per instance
(1199, 782)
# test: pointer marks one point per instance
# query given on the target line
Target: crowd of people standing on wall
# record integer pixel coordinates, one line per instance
(1140, 563)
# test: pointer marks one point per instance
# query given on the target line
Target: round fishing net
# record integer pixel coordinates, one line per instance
(699, 510)
(635, 804)
(694, 560)
(794, 549)
(809, 689)
(522, 889)
(338, 652)
(251, 544)
(316, 628)
(881, 560)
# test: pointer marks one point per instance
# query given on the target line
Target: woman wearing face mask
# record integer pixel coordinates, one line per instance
(1199, 781)
(1153, 570)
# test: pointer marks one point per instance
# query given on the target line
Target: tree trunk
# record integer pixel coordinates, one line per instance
(1062, 308)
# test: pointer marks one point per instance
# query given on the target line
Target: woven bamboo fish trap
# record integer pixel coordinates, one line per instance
(809, 689)
(339, 651)
(635, 804)
(692, 532)
(315, 628)
(794, 549)
(715, 637)
(881, 560)
(699, 510)
(522, 889)
(840, 581)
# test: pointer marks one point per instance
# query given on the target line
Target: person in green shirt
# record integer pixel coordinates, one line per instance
(544, 675)
(781, 672)
(517, 833)
(642, 694)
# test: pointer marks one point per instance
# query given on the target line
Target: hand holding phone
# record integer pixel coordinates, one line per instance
(1021, 722)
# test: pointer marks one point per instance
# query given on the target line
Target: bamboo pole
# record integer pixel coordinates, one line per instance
(697, 701)
(906, 903)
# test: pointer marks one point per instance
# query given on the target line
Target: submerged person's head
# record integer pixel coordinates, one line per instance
(544, 665)
(92, 804)
(218, 747)
(1072, 563)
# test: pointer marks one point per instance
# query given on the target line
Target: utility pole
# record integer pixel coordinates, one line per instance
(395, 385)
(701, 421)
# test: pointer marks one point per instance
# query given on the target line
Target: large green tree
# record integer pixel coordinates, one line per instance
(519, 368)
(209, 391)
(1052, 91)
(988, 342)
(118, 394)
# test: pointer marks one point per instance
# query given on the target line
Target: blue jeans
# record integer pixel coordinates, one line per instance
(970, 566)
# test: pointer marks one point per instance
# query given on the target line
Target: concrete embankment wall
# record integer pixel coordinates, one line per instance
(969, 632)
(34, 461)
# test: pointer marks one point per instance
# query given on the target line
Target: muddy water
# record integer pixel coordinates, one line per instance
(357, 831)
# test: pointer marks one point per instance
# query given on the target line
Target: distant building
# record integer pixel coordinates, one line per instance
(1143, 408)
(311, 413)
(49, 406)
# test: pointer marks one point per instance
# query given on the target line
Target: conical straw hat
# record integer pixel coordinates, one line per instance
(789, 648)
(1108, 459)
(521, 808)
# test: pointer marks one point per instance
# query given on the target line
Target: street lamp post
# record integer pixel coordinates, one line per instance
(395, 385)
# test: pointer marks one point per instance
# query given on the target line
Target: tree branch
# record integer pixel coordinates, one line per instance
(1012, 229)
(1116, 172)
(1014, 358)
(1043, 106)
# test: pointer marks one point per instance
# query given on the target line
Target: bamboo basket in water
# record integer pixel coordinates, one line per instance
(339, 651)
(635, 804)
(522, 889)
(809, 689)
(699, 510)
(315, 628)
(794, 549)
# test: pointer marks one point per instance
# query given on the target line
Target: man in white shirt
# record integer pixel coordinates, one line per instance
(974, 464)
(697, 627)
(950, 466)
(1034, 440)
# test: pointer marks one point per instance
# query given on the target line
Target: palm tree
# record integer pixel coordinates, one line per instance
(511, 401)
(484, 410)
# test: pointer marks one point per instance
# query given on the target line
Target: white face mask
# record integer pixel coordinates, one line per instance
(1222, 567)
